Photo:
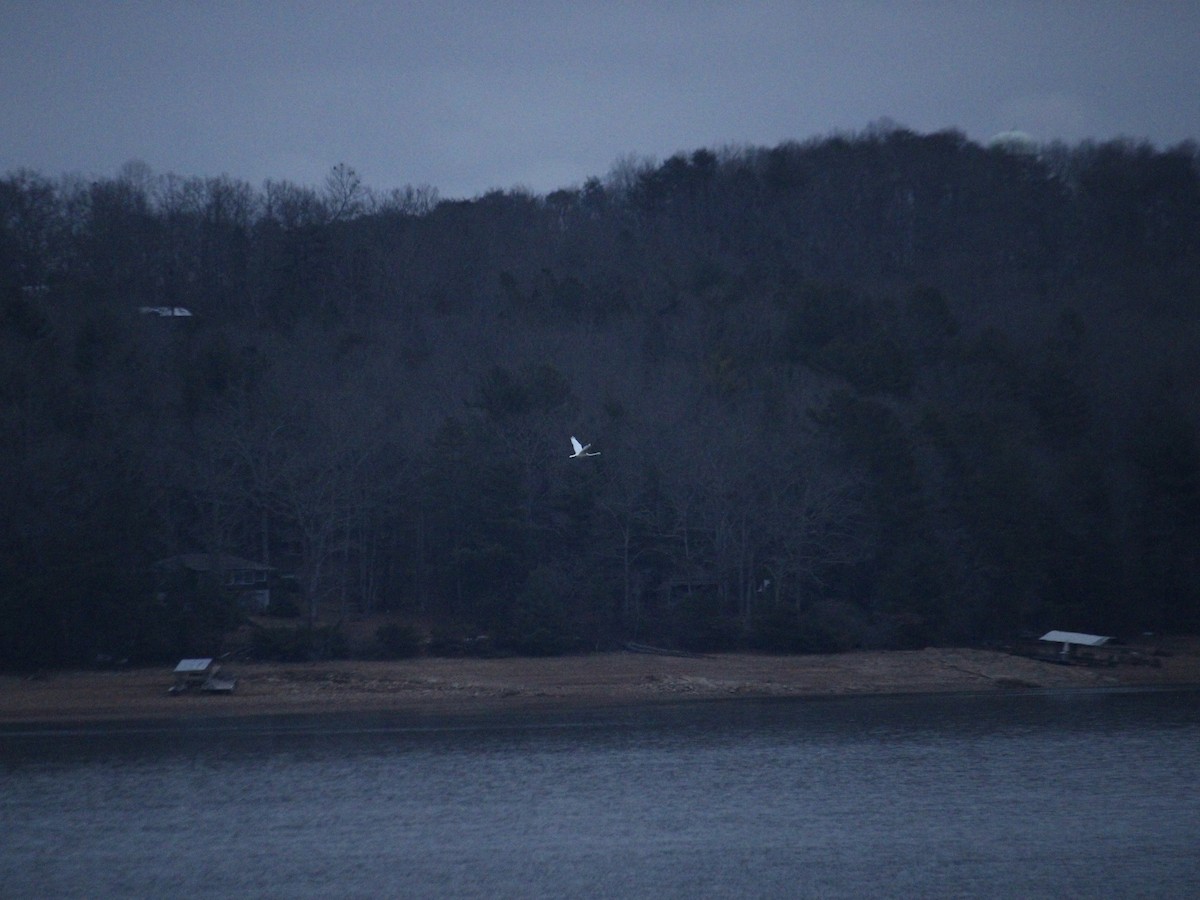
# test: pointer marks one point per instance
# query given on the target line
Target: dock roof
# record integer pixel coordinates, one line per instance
(1075, 637)
(193, 665)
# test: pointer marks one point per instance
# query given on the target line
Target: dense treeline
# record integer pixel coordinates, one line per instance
(878, 390)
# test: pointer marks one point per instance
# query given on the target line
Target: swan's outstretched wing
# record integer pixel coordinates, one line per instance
(578, 447)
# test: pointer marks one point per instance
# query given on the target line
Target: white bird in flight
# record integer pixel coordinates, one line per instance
(580, 449)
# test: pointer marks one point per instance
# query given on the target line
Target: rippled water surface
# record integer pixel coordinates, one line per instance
(1022, 795)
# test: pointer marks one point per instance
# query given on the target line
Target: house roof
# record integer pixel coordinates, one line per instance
(211, 562)
(1074, 637)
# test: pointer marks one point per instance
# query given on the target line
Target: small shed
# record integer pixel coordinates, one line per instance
(1070, 639)
(193, 672)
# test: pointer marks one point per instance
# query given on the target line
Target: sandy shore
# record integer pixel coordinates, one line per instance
(481, 686)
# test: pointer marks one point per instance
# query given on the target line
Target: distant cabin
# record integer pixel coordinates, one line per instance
(251, 581)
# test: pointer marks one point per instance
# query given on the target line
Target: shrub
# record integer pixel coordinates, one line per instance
(828, 626)
(455, 642)
(540, 624)
(775, 628)
(397, 641)
(299, 644)
(699, 624)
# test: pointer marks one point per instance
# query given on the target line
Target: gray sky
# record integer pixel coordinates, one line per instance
(469, 96)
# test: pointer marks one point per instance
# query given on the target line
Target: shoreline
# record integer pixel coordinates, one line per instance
(480, 687)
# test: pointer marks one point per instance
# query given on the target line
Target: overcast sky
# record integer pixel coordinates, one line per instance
(470, 96)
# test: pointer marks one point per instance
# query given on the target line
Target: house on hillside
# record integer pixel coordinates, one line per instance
(251, 582)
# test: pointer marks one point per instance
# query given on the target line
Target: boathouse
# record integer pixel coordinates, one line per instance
(201, 674)
(1071, 639)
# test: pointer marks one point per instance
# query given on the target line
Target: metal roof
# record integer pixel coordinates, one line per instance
(1074, 637)
(193, 665)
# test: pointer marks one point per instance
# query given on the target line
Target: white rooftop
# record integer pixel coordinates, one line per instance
(1074, 637)
(193, 665)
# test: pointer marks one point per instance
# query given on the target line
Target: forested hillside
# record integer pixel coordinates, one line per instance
(879, 390)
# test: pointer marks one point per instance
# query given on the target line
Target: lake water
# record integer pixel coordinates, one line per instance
(1038, 794)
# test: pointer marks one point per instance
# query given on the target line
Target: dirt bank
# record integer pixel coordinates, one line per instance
(449, 686)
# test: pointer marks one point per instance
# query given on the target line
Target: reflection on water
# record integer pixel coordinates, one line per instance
(1021, 795)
